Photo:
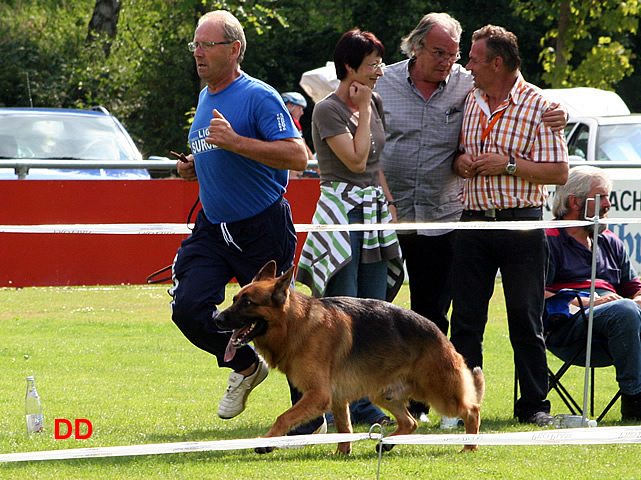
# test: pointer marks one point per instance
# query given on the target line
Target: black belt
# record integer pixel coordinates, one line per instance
(528, 213)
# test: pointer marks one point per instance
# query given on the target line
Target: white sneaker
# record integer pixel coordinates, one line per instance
(322, 430)
(235, 399)
(450, 423)
(423, 418)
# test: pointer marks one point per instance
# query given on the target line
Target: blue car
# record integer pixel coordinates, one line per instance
(66, 135)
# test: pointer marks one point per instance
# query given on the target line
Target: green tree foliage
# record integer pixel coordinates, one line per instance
(587, 43)
(148, 79)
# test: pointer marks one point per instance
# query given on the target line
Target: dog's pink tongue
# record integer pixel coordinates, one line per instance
(230, 351)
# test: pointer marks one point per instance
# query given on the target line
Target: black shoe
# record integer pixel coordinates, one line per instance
(385, 421)
(631, 407)
(542, 419)
(418, 410)
(311, 427)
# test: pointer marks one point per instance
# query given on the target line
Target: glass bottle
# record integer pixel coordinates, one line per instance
(33, 407)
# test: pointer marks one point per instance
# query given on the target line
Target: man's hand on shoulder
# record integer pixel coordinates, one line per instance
(556, 117)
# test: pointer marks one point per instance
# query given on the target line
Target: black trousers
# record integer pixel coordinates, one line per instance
(428, 260)
(521, 256)
(208, 260)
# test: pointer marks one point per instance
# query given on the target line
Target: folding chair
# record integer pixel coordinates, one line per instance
(556, 312)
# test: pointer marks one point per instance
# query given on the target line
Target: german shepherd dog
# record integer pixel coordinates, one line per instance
(336, 350)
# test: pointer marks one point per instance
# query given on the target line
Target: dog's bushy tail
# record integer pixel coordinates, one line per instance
(479, 383)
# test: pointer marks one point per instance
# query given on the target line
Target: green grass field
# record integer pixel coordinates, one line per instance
(112, 355)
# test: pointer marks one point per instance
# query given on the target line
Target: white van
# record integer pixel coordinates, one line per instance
(602, 132)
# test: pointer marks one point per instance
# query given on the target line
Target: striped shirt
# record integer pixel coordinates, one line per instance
(519, 132)
(326, 252)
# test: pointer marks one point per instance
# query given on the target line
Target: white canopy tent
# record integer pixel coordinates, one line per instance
(320, 82)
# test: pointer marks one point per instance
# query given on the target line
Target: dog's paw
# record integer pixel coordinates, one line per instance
(469, 448)
(386, 447)
(263, 450)
(344, 448)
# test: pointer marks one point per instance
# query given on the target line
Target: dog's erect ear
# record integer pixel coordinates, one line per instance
(281, 289)
(267, 272)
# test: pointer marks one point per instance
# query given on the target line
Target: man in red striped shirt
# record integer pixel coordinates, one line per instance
(507, 157)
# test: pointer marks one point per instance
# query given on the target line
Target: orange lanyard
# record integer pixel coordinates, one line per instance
(488, 128)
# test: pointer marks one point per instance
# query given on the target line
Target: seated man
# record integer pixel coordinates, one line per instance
(617, 312)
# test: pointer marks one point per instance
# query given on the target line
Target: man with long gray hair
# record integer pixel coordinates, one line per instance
(423, 100)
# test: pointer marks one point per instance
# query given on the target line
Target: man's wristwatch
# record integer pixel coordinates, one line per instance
(510, 169)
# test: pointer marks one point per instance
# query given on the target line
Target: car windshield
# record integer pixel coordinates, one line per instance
(56, 136)
(620, 142)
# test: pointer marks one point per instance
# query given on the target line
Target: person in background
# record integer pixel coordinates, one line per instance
(507, 157)
(423, 98)
(617, 302)
(348, 134)
(243, 141)
(296, 104)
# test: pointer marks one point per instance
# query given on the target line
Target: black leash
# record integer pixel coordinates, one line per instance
(151, 279)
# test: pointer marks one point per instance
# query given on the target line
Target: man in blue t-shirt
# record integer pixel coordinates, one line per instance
(243, 141)
(617, 312)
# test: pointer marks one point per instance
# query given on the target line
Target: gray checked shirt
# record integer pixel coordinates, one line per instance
(421, 140)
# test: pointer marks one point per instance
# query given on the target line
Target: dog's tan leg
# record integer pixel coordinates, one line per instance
(311, 405)
(405, 423)
(472, 421)
(343, 425)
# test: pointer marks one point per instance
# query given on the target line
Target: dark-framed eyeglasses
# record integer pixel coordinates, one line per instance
(440, 55)
(192, 46)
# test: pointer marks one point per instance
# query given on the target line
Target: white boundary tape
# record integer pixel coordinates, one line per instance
(602, 435)
(583, 436)
(182, 229)
(184, 447)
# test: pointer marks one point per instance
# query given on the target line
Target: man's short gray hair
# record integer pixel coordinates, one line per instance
(581, 180)
(413, 43)
(232, 29)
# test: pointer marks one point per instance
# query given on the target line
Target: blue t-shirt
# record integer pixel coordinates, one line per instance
(233, 187)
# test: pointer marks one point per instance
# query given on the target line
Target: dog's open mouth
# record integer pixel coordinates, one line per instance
(241, 337)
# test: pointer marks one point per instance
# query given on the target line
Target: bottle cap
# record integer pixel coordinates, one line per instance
(30, 378)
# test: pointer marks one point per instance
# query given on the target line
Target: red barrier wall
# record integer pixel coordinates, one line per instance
(32, 259)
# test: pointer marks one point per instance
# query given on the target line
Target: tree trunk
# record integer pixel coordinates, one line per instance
(104, 23)
(561, 59)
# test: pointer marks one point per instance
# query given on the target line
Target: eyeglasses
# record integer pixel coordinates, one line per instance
(440, 55)
(376, 66)
(192, 46)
